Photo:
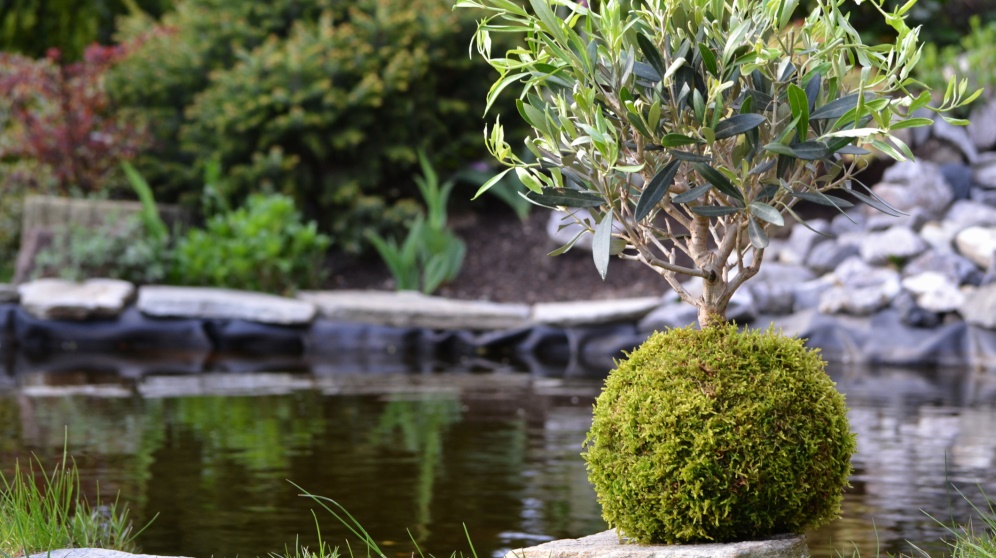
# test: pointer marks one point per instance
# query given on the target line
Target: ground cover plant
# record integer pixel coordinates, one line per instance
(684, 131)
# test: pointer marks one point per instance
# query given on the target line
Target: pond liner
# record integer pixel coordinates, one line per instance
(252, 338)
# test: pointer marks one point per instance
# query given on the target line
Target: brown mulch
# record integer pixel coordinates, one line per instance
(507, 262)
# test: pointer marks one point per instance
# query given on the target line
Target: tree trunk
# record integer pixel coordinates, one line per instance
(712, 304)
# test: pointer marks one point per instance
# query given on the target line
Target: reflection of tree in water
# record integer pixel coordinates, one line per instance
(418, 426)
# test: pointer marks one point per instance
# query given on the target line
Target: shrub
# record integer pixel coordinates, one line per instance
(717, 435)
(262, 246)
(323, 100)
(973, 56)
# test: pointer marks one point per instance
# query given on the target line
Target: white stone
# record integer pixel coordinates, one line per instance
(908, 186)
(967, 213)
(607, 544)
(934, 291)
(980, 307)
(205, 302)
(58, 299)
(414, 309)
(982, 126)
(8, 293)
(91, 553)
(985, 175)
(860, 289)
(977, 244)
(566, 314)
(937, 236)
(896, 243)
(801, 241)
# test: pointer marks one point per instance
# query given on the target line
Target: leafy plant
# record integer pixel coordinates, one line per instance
(976, 50)
(688, 129)
(431, 254)
(36, 518)
(262, 246)
(719, 435)
(60, 118)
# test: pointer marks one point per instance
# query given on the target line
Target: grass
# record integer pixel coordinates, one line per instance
(974, 540)
(370, 547)
(46, 511)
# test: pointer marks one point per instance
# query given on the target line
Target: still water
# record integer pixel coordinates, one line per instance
(419, 456)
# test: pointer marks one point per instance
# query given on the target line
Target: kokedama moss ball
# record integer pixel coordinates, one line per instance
(719, 435)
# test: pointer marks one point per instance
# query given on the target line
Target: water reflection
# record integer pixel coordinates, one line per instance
(211, 453)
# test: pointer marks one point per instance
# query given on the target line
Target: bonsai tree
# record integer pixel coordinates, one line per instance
(687, 129)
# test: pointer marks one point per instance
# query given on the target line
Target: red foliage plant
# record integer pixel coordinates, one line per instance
(61, 118)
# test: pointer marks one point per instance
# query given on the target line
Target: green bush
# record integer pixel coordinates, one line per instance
(716, 435)
(972, 57)
(326, 101)
(263, 246)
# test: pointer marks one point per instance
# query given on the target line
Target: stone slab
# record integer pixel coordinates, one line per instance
(594, 312)
(607, 545)
(211, 303)
(8, 293)
(91, 553)
(58, 299)
(414, 309)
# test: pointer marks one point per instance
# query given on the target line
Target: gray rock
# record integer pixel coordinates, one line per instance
(982, 126)
(567, 314)
(983, 195)
(984, 172)
(913, 219)
(826, 256)
(939, 152)
(801, 241)
(908, 186)
(773, 288)
(670, 315)
(860, 289)
(880, 248)
(8, 293)
(980, 307)
(966, 213)
(911, 314)
(58, 299)
(938, 236)
(956, 268)
(607, 544)
(957, 136)
(203, 302)
(852, 221)
(413, 309)
(934, 291)
(977, 244)
(807, 295)
(959, 178)
(91, 553)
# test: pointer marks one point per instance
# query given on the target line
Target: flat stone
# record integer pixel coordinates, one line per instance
(826, 256)
(860, 290)
(977, 244)
(980, 306)
(879, 248)
(229, 304)
(8, 293)
(934, 291)
(982, 126)
(607, 545)
(414, 309)
(91, 553)
(58, 299)
(956, 268)
(566, 314)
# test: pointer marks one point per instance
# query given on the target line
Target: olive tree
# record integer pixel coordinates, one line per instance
(687, 129)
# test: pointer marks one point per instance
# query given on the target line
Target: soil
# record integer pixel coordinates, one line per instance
(507, 261)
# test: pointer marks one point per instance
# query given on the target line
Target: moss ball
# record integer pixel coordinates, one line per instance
(718, 435)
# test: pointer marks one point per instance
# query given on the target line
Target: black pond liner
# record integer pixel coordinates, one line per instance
(133, 345)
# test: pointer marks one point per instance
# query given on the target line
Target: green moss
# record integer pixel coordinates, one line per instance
(718, 435)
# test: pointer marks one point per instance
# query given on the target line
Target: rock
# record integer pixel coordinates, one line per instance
(911, 314)
(807, 295)
(959, 178)
(908, 186)
(826, 256)
(914, 219)
(58, 299)
(851, 221)
(773, 288)
(413, 309)
(937, 236)
(802, 240)
(670, 315)
(982, 126)
(8, 293)
(977, 244)
(956, 268)
(607, 544)
(897, 243)
(967, 213)
(91, 553)
(934, 291)
(939, 152)
(203, 302)
(860, 289)
(592, 312)
(980, 307)
(957, 136)
(984, 175)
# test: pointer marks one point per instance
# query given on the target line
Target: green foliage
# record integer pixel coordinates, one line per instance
(263, 246)
(975, 53)
(717, 435)
(118, 249)
(431, 254)
(323, 100)
(42, 511)
(719, 114)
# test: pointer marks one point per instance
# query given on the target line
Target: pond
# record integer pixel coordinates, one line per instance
(417, 456)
